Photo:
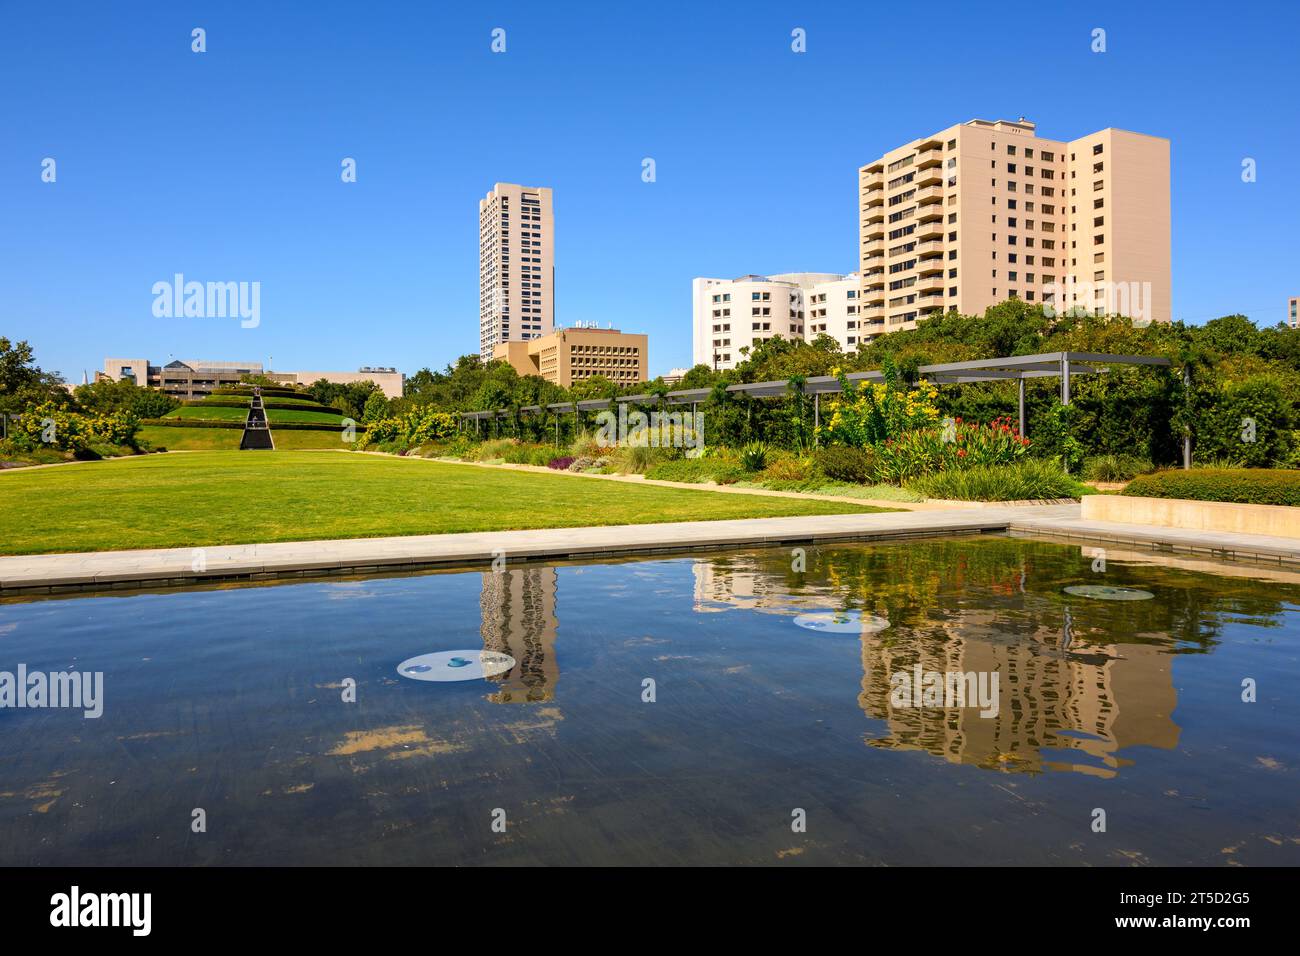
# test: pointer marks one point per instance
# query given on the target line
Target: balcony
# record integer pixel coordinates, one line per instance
(873, 248)
(930, 267)
(873, 199)
(929, 249)
(930, 177)
(930, 230)
(871, 181)
(930, 194)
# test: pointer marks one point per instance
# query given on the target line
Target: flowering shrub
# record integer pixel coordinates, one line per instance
(417, 427)
(562, 463)
(952, 447)
(875, 412)
(47, 426)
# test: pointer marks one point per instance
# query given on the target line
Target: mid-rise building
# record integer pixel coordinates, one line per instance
(516, 266)
(570, 355)
(195, 378)
(729, 316)
(988, 211)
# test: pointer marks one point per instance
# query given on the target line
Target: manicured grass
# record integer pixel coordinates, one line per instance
(227, 439)
(273, 415)
(198, 439)
(211, 498)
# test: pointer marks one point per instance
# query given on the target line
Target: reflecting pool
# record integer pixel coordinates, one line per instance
(755, 706)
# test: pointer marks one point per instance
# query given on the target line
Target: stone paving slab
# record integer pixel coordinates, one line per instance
(41, 573)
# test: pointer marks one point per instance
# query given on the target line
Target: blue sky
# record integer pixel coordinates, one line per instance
(225, 165)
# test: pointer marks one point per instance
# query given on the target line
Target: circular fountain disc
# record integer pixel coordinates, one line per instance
(456, 665)
(1101, 592)
(841, 622)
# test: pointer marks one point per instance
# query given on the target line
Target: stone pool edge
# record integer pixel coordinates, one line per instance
(183, 567)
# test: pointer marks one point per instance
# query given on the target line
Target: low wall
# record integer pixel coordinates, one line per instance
(1275, 520)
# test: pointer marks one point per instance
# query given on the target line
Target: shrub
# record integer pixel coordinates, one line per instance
(1255, 486)
(753, 457)
(637, 459)
(492, 450)
(1115, 467)
(790, 471)
(696, 470)
(416, 427)
(560, 464)
(1029, 480)
(871, 412)
(854, 466)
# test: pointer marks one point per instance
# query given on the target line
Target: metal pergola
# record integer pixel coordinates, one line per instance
(1017, 368)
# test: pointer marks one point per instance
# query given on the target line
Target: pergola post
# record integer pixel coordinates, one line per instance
(1021, 401)
(1187, 429)
(817, 417)
(1065, 378)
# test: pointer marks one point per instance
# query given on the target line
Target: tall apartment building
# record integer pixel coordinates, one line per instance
(988, 211)
(729, 315)
(516, 265)
(1293, 312)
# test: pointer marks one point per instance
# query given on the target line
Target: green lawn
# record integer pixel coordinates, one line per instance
(273, 415)
(223, 439)
(219, 497)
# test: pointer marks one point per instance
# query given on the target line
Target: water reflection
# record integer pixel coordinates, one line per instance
(519, 619)
(1081, 682)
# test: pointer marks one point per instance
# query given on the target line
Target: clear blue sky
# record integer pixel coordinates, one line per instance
(225, 165)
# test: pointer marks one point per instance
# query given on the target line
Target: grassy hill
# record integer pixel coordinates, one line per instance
(215, 423)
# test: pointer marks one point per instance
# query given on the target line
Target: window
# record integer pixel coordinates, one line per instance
(1096, 150)
(1098, 221)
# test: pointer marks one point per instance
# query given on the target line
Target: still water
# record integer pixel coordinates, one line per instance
(767, 741)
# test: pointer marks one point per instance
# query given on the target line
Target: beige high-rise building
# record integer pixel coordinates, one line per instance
(1293, 312)
(516, 265)
(988, 211)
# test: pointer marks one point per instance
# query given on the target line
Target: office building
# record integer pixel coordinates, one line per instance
(569, 355)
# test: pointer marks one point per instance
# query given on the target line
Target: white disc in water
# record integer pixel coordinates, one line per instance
(841, 622)
(1102, 592)
(456, 665)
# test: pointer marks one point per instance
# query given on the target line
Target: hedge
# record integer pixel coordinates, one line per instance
(267, 403)
(232, 423)
(1253, 486)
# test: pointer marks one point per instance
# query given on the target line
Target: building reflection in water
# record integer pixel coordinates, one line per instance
(518, 618)
(1073, 695)
(1064, 704)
